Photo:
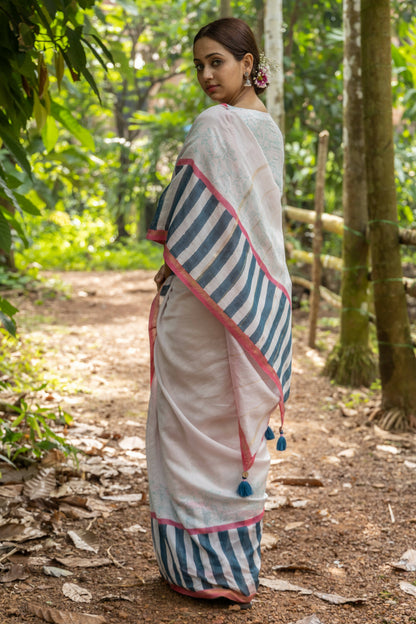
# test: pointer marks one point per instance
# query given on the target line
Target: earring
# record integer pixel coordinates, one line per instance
(247, 82)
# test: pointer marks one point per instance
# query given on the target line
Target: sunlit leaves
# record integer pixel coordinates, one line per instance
(7, 311)
(65, 117)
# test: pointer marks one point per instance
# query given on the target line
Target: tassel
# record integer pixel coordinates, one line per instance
(244, 489)
(281, 443)
(269, 435)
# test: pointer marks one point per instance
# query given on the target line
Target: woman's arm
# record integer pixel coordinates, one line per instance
(162, 275)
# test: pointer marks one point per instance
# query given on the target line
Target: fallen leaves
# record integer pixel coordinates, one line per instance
(56, 572)
(282, 585)
(407, 561)
(84, 540)
(80, 562)
(42, 485)
(299, 481)
(16, 572)
(76, 593)
(57, 616)
(408, 588)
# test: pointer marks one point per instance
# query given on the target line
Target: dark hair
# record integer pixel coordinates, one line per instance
(237, 37)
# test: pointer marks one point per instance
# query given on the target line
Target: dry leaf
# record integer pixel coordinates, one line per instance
(281, 585)
(407, 561)
(349, 452)
(84, 540)
(135, 528)
(76, 593)
(124, 498)
(311, 619)
(78, 562)
(132, 443)
(54, 457)
(293, 567)
(76, 513)
(77, 501)
(293, 525)
(336, 599)
(302, 481)
(17, 532)
(274, 502)
(65, 617)
(269, 541)
(42, 485)
(56, 572)
(11, 491)
(110, 597)
(393, 450)
(408, 588)
(17, 572)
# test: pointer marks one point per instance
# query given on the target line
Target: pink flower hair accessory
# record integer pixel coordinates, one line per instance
(261, 76)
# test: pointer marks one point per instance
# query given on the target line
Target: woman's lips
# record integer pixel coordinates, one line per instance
(211, 88)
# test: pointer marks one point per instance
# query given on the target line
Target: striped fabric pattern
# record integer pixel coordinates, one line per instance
(207, 563)
(208, 244)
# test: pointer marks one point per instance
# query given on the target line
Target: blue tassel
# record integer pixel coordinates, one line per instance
(281, 443)
(244, 489)
(269, 435)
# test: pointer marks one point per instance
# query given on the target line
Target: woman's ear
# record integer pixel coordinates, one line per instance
(248, 62)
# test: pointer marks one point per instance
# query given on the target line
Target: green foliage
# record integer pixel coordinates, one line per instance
(28, 429)
(85, 242)
(313, 54)
(26, 432)
(33, 35)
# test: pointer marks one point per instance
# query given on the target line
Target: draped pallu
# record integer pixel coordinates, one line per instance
(220, 336)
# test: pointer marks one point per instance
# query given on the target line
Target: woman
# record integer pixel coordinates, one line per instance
(222, 357)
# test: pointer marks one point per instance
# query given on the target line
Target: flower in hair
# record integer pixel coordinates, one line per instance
(261, 77)
(265, 68)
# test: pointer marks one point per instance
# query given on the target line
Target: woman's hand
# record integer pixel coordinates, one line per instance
(161, 276)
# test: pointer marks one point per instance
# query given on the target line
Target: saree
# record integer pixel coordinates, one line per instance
(220, 334)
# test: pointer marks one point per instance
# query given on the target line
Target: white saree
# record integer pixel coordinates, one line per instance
(221, 353)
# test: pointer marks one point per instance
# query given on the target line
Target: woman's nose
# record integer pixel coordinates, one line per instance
(207, 73)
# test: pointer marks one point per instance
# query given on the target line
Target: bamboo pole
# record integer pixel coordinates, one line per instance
(335, 224)
(307, 257)
(326, 294)
(330, 223)
(317, 238)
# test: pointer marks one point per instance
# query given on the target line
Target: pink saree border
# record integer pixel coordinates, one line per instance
(157, 236)
(231, 594)
(212, 529)
(230, 325)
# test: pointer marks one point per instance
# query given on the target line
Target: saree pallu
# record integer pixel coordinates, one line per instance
(221, 359)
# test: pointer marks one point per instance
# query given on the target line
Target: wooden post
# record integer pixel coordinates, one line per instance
(317, 235)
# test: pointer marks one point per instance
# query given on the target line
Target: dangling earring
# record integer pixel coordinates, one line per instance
(247, 82)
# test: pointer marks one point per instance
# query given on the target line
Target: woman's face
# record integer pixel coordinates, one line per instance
(220, 75)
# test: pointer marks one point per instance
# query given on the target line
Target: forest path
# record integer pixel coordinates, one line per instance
(338, 535)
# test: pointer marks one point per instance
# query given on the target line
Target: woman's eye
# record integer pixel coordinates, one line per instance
(216, 62)
(198, 67)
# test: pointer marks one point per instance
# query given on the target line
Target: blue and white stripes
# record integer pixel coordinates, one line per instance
(203, 561)
(209, 244)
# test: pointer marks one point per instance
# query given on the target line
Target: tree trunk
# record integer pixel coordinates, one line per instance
(273, 44)
(351, 362)
(317, 235)
(259, 30)
(225, 8)
(397, 358)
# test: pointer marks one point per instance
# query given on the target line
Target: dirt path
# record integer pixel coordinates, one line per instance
(338, 535)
